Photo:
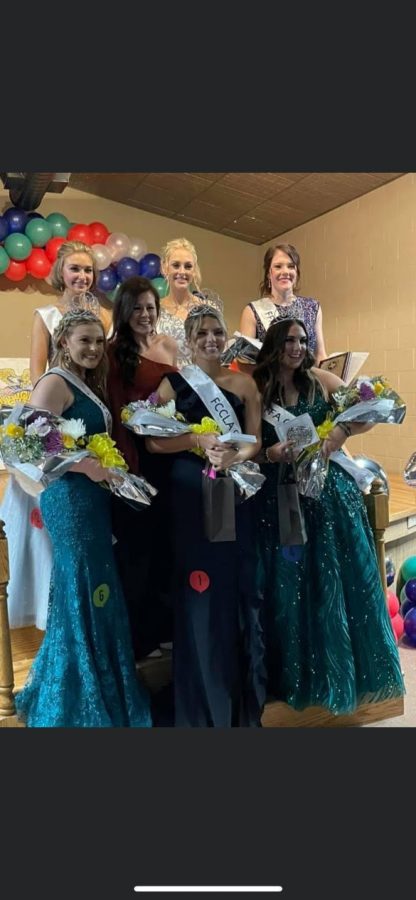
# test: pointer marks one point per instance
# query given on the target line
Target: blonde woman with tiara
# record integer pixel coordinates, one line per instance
(183, 276)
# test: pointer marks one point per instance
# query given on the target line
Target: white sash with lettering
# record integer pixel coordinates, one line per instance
(213, 398)
(78, 383)
(266, 311)
(276, 415)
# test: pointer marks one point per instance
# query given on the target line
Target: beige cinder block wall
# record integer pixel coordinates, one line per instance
(228, 266)
(360, 262)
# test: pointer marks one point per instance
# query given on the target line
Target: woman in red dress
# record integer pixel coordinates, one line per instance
(139, 358)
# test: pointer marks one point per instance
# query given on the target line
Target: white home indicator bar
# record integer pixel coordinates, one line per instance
(207, 889)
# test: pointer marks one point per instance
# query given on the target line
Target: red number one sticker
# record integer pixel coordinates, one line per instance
(199, 581)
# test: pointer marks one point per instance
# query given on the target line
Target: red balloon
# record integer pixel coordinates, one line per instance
(52, 247)
(38, 263)
(393, 603)
(398, 625)
(80, 233)
(199, 581)
(99, 232)
(16, 271)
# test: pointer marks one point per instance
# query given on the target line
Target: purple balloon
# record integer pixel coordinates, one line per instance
(410, 625)
(4, 228)
(16, 219)
(127, 267)
(410, 590)
(390, 571)
(107, 279)
(149, 265)
(406, 605)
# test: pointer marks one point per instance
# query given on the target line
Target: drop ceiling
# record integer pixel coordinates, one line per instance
(250, 206)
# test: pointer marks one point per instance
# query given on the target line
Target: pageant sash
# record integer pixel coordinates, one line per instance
(78, 383)
(266, 311)
(276, 415)
(213, 398)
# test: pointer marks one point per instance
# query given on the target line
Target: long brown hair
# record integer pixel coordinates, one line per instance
(267, 373)
(290, 251)
(126, 349)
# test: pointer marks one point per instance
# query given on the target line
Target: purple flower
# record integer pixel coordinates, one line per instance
(53, 443)
(153, 398)
(366, 391)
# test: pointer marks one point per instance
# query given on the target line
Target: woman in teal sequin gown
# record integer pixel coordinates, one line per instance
(84, 673)
(328, 636)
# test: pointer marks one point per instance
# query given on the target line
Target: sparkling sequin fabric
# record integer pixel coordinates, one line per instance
(328, 635)
(174, 326)
(305, 308)
(84, 674)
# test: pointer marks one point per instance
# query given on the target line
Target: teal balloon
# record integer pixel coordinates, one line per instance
(4, 260)
(18, 246)
(113, 294)
(161, 286)
(39, 231)
(59, 223)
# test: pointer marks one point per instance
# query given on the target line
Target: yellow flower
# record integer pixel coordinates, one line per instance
(325, 429)
(205, 426)
(125, 414)
(104, 448)
(14, 430)
(68, 441)
(378, 387)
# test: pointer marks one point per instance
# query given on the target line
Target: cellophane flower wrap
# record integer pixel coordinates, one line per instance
(366, 400)
(37, 447)
(149, 417)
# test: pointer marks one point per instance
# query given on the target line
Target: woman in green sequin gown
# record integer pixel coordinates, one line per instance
(328, 636)
(84, 674)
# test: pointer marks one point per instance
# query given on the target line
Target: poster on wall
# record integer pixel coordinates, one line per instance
(15, 384)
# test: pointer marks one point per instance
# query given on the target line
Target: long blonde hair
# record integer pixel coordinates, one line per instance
(181, 244)
(96, 379)
(67, 249)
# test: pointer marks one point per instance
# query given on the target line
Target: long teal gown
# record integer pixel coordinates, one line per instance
(329, 641)
(84, 674)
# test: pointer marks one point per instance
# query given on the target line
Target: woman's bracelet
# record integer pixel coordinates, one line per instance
(266, 453)
(198, 446)
(345, 428)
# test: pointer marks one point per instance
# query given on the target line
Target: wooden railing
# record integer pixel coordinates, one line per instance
(378, 513)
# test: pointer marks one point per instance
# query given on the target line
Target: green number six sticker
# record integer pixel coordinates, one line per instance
(101, 595)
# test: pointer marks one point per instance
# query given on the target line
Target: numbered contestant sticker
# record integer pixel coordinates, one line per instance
(199, 581)
(101, 595)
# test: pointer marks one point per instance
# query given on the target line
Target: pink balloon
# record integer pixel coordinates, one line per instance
(138, 248)
(118, 245)
(102, 256)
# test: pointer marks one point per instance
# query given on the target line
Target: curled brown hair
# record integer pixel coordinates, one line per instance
(95, 379)
(267, 373)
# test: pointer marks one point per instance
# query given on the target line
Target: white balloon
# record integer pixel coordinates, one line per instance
(118, 245)
(138, 248)
(102, 256)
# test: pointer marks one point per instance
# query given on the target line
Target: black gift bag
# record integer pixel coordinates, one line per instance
(218, 497)
(292, 530)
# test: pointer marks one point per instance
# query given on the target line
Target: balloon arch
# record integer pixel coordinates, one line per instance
(29, 243)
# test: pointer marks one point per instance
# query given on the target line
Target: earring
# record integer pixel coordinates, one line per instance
(67, 357)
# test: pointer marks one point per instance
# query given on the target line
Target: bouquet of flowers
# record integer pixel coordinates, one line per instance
(364, 400)
(38, 447)
(148, 417)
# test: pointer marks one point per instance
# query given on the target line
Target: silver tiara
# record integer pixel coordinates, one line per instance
(202, 310)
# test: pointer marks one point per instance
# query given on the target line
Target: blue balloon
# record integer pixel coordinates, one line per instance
(107, 279)
(406, 605)
(410, 590)
(4, 228)
(390, 571)
(127, 267)
(16, 219)
(410, 625)
(149, 265)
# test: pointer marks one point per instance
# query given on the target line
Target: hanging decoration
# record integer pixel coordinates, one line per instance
(29, 243)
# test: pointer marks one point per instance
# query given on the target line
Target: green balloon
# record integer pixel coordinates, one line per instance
(59, 223)
(4, 260)
(18, 246)
(39, 232)
(161, 285)
(113, 294)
